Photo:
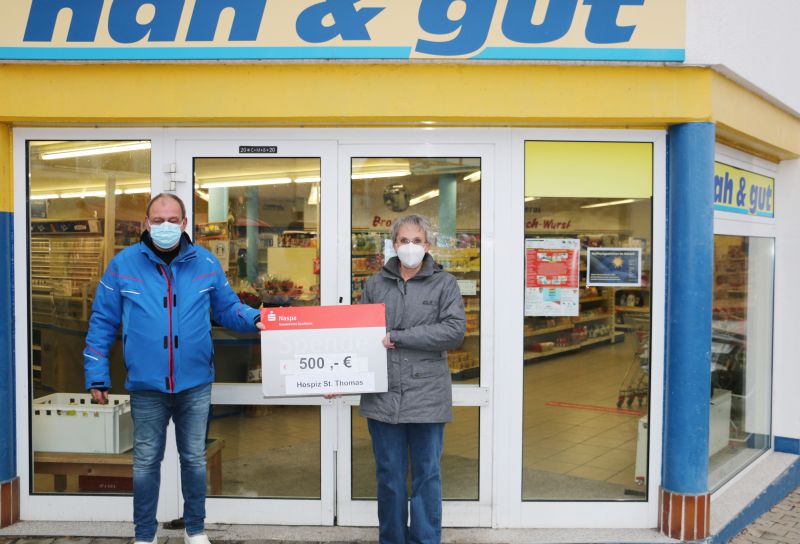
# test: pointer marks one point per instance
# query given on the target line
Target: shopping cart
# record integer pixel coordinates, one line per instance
(636, 381)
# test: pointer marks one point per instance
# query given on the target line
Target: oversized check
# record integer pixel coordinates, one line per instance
(314, 350)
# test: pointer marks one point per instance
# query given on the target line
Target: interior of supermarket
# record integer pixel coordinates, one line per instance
(586, 364)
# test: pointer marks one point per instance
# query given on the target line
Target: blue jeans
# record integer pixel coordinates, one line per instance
(151, 412)
(392, 444)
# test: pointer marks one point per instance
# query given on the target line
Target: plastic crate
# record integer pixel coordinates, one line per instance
(69, 422)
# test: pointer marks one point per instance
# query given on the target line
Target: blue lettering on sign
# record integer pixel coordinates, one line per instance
(330, 19)
(602, 24)
(723, 189)
(246, 21)
(472, 27)
(348, 22)
(518, 25)
(123, 27)
(83, 25)
(760, 199)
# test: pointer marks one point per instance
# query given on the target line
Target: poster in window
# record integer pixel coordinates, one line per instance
(552, 270)
(614, 267)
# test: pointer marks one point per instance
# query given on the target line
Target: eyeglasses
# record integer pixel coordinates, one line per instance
(415, 241)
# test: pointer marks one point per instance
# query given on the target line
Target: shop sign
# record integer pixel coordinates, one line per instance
(742, 191)
(602, 30)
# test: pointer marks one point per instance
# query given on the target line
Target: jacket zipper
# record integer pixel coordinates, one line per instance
(169, 314)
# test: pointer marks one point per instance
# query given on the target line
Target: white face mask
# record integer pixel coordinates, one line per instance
(411, 255)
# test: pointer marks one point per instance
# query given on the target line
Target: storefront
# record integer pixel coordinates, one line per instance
(581, 253)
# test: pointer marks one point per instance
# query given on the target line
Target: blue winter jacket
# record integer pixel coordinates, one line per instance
(165, 312)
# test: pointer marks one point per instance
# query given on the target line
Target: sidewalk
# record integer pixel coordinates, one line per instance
(780, 525)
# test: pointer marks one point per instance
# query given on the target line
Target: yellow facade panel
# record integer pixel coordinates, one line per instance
(6, 179)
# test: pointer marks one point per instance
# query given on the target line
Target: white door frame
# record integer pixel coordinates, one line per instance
(263, 509)
(513, 511)
(458, 513)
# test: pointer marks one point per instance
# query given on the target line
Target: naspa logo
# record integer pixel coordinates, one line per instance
(271, 316)
(446, 28)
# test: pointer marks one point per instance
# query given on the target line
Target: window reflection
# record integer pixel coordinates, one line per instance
(260, 218)
(445, 190)
(741, 354)
(87, 202)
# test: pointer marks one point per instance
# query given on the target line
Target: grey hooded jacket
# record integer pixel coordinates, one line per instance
(425, 318)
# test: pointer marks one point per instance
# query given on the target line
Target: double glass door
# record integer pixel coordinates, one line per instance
(306, 223)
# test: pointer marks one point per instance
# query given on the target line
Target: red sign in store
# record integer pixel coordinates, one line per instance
(552, 267)
(323, 317)
(552, 276)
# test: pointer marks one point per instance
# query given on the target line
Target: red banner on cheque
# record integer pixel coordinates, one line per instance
(323, 317)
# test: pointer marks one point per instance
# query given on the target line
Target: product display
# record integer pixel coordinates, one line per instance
(463, 261)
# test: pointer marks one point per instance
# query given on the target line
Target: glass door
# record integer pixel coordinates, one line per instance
(449, 185)
(262, 210)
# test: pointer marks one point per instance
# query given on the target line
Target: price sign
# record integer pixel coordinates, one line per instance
(323, 349)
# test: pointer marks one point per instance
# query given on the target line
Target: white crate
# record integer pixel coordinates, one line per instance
(69, 422)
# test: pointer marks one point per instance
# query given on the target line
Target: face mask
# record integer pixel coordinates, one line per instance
(165, 235)
(411, 254)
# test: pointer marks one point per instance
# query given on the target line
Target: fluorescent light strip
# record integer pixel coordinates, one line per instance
(307, 179)
(610, 203)
(473, 177)
(96, 150)
(44, 197)
(531, 198)
(84, 194)
(383, 174)
(201, 194)
(245, 183)
(136, 191)
(423, 197)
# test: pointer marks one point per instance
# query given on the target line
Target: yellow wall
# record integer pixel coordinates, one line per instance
(354, 94)
(6, 180)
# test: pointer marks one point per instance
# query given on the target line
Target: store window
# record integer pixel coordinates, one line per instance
(587, 326)
(86, 202)
(447, 191)
(260, 218)
(741, 354)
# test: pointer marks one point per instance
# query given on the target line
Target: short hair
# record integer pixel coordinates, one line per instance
(159, 196)
(413, 219)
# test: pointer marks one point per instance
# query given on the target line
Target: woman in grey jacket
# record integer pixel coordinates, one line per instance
(424, 318)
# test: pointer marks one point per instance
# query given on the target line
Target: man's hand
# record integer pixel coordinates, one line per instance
(387, 342)
(100, 397)
(260, 326)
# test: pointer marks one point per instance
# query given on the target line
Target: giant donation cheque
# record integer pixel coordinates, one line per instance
(314, 350)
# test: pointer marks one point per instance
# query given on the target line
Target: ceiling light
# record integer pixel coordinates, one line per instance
(307, 179)
(381, 174)
(201, 194)
(136, 190)
(84, 194)
(423, 197)
(44, 197)
(246, 183)
(95, 150)
(610, 203)
(473, 177)
(531, 198)
(313, 197)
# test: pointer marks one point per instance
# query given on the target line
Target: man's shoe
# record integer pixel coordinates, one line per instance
(195, 539)
(154, 541)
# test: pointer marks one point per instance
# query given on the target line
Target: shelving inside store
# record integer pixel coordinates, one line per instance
(463, 262)
(605, 313)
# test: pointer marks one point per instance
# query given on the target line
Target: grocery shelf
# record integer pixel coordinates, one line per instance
(548, 330)
(634, 309)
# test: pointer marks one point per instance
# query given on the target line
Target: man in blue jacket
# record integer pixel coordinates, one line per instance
(164, 291)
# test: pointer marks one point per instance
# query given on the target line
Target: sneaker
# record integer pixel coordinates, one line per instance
(195, 539)
(154, 541)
